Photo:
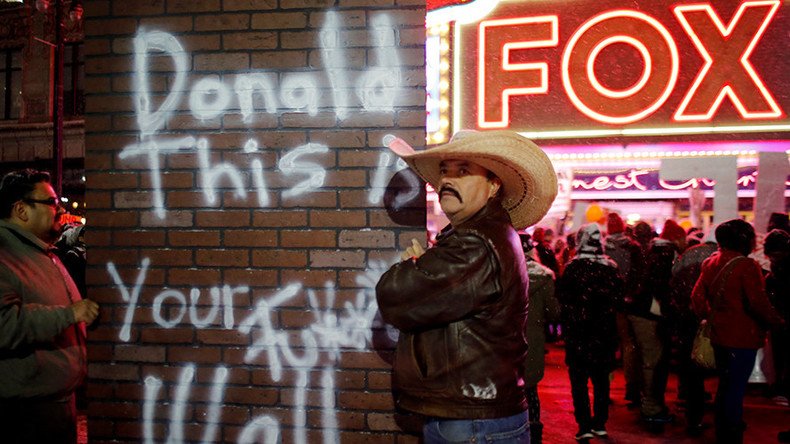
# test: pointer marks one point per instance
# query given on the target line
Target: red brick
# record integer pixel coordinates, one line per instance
(222, 258)
(112, 181)
(337, 259)
(279, 258)
(253, 277)
(251, 395)
(168, 257)
(250, 238)
(153, 335)
(222, 337)
(337, 218)
(115, 219)
(192, 6)
(279, 20)
(194, 238)
(366, 239)
(311, 238)
(309, 278)
(249, 40)
(138, 353)
(173, 218)
(311, 198)
(243, 5)
(139, 238)
(364, 438)
(365, 400)
(115, 372)
(279, 218)
(234, 218)
(223, 62)
(200, 354)
(193, 276)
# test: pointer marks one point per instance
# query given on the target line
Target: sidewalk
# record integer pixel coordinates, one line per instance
(763, 417)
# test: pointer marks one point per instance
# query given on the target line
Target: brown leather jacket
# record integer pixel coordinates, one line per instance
(461, 310)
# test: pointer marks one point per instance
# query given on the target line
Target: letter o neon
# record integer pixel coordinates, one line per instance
(647, 94)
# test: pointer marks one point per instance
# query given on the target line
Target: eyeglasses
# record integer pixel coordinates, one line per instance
(53, 202)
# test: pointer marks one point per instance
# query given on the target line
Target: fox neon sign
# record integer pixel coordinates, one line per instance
(514, 63)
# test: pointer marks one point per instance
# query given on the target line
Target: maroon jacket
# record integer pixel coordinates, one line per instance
(740, 314)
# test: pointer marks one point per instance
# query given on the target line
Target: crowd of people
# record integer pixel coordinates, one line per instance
(631, 290)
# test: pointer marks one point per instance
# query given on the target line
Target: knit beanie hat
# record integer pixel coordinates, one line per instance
(672, 231)
(614, 223)
(777, 241)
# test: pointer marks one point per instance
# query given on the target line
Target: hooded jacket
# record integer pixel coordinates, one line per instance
(42, 350)
(461, 310)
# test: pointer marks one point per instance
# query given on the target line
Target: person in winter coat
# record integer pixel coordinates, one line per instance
(543, 306)
(650, 311)
(627, 253)
(777, 285)
(461, 305)
(585, 292)
(691, 378)
(730, 294)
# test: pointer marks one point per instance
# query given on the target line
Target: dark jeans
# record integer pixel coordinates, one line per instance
(39, 421)
(734, 366)
(581, 397)
(780, 345)
(691, 378)
(651, 345)
(535, 426)
(632, 370)
(510, 430)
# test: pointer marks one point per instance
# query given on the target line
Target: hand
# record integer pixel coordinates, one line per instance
(414, 251)
(85, 311)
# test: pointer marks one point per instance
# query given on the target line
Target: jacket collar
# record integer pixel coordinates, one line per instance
(492, 211)
(24, 235)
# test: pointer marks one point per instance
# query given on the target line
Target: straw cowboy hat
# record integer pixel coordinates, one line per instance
(528, 178)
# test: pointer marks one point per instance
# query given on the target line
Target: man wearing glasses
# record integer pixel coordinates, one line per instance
(42, 317)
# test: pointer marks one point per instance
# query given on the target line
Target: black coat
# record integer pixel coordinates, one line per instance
(589, 291)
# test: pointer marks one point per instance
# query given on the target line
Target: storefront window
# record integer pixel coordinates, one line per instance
(73, 79)
(11, 81)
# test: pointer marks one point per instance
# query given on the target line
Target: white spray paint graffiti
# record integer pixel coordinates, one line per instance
(320, 345)
(330, 333)
(210, 97)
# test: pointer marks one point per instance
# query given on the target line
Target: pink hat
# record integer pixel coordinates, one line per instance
(672, 231)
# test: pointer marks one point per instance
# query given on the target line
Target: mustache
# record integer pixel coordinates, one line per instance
(451, 190)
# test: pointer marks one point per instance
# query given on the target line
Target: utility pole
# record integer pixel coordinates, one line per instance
(57, 103)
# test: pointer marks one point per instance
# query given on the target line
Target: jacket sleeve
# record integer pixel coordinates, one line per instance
(756, 301)
(699, 295)
(552, 305)
(447, 283)
(23, 324)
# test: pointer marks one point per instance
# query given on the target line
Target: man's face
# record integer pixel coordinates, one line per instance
(43, 219)
(464, 189)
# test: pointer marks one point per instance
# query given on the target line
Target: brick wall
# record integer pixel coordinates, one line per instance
(241, 208)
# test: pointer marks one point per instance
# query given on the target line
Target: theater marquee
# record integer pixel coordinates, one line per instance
(576, 69)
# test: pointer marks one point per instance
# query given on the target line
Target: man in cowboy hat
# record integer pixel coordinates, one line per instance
(461, 306)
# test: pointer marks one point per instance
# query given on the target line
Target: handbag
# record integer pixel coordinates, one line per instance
(702, 349)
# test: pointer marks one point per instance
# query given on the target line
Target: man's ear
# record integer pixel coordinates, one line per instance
(19, 211)
(494, 185)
